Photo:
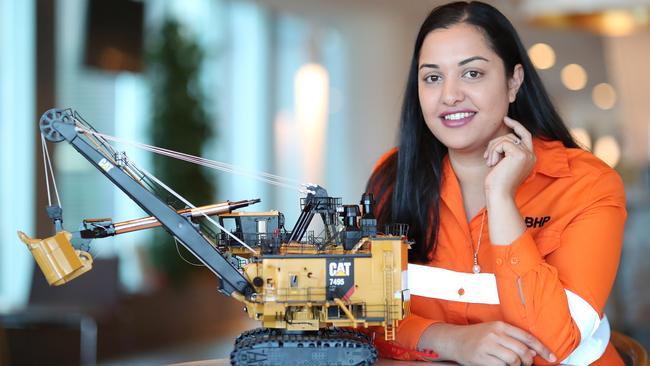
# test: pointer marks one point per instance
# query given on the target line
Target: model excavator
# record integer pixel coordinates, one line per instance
(313, 294)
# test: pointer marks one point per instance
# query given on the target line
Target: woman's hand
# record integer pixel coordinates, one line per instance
(486, 344)
(511, 157)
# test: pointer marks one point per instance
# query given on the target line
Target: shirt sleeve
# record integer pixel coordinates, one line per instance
(405, 346)
(533, 289)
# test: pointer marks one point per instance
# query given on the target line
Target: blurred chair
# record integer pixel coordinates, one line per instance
(4, 349)
(630, 348)
(59, 325)
(39, 337)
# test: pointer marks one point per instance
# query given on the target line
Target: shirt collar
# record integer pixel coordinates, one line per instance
(552, 159)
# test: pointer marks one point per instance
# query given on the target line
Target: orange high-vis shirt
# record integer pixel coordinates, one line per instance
(552, 281)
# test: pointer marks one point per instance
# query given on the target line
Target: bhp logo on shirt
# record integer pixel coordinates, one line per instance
(537, 221)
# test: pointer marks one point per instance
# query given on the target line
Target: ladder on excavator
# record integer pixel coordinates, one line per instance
(389, 328)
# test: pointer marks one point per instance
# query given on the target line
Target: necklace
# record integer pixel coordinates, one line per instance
(476, 268)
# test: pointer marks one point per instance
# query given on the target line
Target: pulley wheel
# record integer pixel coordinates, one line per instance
(46, 124)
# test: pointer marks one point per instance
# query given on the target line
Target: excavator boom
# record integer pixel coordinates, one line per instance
(58, 125)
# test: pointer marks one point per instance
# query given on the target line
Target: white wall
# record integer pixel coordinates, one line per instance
(631, 78)
(17, 137)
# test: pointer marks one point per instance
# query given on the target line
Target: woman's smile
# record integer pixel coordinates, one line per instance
(455, 119)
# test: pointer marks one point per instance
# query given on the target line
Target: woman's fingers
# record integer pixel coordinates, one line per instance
(521, 131)
(496, 343)
(511, 136)
(497, 148)
(489, 152)
(530, 341)
(505, 355)
(523, 351)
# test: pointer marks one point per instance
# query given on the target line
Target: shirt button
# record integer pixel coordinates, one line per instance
(461, 291)
(499, 261)
(514, 260)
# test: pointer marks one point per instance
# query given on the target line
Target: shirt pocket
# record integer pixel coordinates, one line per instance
(547, 241)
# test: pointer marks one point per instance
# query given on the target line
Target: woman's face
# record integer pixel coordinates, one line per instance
(463, 88)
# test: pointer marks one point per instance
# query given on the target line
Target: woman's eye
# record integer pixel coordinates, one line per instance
(431, 78)
(473, 74)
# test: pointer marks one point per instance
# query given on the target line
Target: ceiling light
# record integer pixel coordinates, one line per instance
(607, 149)
(542, 56)
(581, 136)
(604, 96)
(574, 77)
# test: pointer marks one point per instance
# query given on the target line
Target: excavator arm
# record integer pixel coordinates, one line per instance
(58, 125)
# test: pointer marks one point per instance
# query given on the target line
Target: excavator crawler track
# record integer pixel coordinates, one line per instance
(333, 346)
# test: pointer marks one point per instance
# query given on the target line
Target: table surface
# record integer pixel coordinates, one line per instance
(380, 362)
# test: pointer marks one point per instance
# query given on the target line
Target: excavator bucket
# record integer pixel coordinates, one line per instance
(58, 260)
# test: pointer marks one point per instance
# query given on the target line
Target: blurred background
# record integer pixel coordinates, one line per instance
(308, 90)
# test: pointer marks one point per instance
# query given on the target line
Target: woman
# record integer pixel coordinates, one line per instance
(518, 231)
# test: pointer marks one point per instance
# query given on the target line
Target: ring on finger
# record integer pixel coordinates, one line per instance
(516, 141)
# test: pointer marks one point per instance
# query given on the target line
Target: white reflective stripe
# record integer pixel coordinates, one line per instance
(594, 332)
(583, 314)
(440, 283)
(405, 286)
(481, 288)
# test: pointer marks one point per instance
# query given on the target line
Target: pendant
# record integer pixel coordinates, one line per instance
(476, 268)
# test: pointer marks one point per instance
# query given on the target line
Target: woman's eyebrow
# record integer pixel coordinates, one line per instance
(461, 63)
(431, 66)
(473, 58)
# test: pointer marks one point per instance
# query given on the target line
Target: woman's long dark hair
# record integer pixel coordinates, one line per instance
(408, 182)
